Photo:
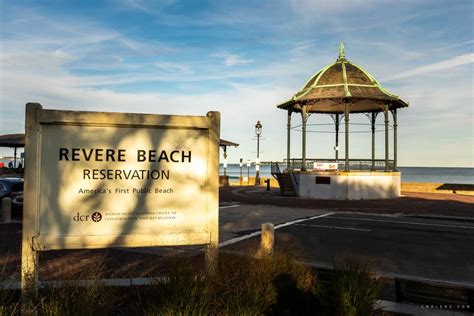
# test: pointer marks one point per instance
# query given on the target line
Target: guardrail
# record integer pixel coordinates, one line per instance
(354, 164)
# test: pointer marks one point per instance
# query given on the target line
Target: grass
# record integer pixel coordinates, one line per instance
(241, 286)
(9, 299)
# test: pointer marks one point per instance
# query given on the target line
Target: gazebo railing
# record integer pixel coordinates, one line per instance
(354, 164)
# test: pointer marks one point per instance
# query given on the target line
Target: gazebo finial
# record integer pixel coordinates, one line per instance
(342, 54)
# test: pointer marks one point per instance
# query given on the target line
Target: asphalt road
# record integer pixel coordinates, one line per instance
(452, 205)
(423, 248)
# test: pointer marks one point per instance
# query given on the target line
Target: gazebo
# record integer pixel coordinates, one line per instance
(14, 141)
(339, 90)
(224, 144)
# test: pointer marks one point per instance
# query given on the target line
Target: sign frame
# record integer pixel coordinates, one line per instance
(32, 242)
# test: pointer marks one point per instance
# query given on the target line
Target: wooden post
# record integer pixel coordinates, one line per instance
(211, 250)
(268, 240)
(29, 256)
(6, 210)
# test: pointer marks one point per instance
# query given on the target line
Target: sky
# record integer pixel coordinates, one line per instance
(242, 58)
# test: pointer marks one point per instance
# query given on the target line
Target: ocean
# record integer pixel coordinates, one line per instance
(409, 174)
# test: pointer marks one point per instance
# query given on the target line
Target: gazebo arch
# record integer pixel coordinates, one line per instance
(340, 89)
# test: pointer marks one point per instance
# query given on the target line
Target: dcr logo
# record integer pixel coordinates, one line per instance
(95, 217)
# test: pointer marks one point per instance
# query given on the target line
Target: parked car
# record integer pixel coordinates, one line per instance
(13, 188)
(17, 201)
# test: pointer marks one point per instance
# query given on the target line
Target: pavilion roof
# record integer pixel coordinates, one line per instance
(340, 82)
(224, 142)
(12, 140)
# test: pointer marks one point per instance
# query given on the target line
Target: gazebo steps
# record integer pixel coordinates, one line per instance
(287, 187)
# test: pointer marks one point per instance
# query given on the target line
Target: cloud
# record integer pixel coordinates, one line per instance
(149, 7)
(455, 45)
(320, 7)
(442, 65)
(78, 43)
(169, 67)
(229, 59)
(241, 105)
(94, 62)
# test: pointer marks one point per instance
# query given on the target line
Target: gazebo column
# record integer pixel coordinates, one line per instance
(336, 149)
(385, 113)
(288, 137)
(373, 118)
(346, 121)
(304, 117)
(395, 125)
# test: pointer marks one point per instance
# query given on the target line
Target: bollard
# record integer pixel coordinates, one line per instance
(268, 184)
(6, 210)
(268, 239)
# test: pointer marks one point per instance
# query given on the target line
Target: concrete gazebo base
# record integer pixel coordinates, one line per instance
(340, 185)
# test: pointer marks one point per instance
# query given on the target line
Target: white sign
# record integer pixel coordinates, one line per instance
(111, 179)
(248, 162)
(325, 166)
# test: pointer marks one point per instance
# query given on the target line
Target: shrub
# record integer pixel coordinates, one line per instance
(353, 291)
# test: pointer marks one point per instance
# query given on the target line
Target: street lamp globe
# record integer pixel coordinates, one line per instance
(258, 128)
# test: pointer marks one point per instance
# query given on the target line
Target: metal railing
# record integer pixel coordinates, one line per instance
(275, 167)
(354, 165)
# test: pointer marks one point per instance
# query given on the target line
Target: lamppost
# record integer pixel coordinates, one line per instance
(241, 164)
(258, 132)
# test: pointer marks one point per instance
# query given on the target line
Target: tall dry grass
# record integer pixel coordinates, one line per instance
(277, 285)
(241, 286)
(9, 299)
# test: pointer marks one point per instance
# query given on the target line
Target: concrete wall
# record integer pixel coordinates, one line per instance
(349, 185)
(273, 182)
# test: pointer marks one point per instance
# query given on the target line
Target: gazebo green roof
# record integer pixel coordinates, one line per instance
(341, 82)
